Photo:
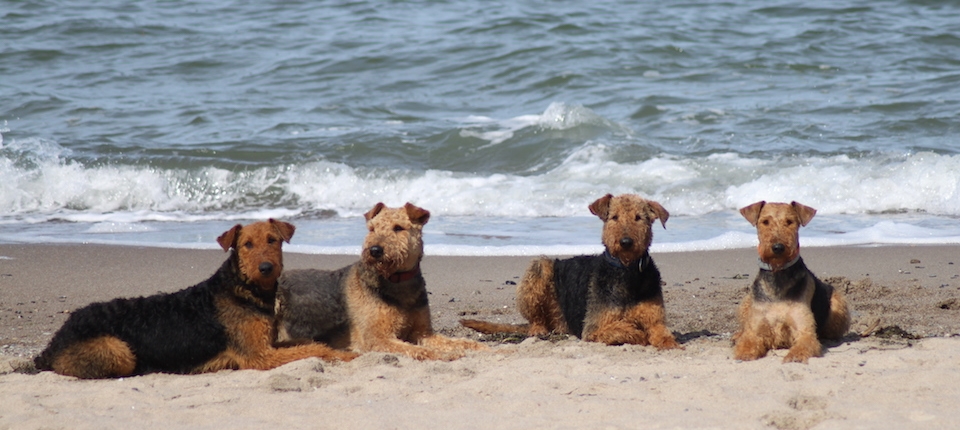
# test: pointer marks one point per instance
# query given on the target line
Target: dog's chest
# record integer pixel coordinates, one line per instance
(792, 285)
(593, 278)
(404, 295)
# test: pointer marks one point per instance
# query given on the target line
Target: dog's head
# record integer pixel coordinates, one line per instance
(627, 221)
(259, 250)
(778, 228)
(394, 242)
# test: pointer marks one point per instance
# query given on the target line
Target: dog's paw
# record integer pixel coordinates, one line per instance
(794, 357)
(669, 343)
(344, 356)
(746, 351)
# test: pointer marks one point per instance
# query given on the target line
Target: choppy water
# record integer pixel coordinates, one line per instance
(164, 124)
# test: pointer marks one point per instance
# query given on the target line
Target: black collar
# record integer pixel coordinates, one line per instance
(639, 264)
(765, 266)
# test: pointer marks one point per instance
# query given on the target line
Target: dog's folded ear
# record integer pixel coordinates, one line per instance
(752, 212)
(601, 207)
(661, 213)
(284, 228)
(373, 212)
(416, 214)
(228, 239)
(806, 213)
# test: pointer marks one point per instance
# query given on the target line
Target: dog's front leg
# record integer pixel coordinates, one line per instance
(804, 335)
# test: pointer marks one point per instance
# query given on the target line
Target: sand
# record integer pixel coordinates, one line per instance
(905, 373)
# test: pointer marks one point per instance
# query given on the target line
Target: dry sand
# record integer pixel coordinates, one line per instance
(904, 374)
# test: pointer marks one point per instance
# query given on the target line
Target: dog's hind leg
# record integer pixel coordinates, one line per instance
(102, 357)
(838, 323)
(537, 299)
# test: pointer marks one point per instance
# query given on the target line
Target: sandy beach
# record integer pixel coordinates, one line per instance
(898, 368)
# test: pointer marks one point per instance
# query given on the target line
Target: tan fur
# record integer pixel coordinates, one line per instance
(537, 300)
(102, 357)
(766, 325)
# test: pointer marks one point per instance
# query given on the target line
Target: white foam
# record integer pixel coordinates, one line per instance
(39, 184)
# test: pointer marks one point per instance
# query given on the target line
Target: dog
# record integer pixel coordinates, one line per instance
(376, 304)
(614, 298)
(224, 322)
(787, 306)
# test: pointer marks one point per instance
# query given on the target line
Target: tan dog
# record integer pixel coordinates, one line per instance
(613, 298)
(225, 322)
(377, 304)
(787, 306)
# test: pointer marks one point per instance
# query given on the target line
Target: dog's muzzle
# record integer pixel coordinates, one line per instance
(265, 268)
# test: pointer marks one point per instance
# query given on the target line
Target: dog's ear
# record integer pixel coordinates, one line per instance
(373, 212)
(662, 213)
(752, 212)
(416, 214)
(601, 207)
(284, 228)
(806, 212)
(228, 239)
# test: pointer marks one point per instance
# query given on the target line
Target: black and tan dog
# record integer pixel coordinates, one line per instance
(613, 298)
(377, 304)
(787, 306)
(225, 322)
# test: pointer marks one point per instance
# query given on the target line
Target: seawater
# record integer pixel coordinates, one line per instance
(165, 124)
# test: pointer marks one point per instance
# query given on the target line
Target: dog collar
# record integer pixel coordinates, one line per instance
(404, 276)
(767, 267)
(640, 264)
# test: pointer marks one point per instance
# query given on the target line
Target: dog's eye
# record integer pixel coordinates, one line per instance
(765, 222)
(615, 217)
(248, 244)
(637, 218)
(789, 222)
(397, 228)
(271, 240)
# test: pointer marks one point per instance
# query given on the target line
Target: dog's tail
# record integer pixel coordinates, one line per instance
(493, 328)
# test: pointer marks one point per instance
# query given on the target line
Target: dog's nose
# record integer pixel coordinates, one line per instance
(265, 268)
(376, 251)
(626, 243)
(778, 248)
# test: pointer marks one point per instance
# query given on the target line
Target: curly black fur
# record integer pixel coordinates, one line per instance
(173, 333)
(604, 282)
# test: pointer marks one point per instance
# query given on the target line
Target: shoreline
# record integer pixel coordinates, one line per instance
(536, 383)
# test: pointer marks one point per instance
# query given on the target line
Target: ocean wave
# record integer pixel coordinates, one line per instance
(38, 180)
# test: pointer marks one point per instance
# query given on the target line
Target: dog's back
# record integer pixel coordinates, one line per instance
(311, 305)
(162, 329)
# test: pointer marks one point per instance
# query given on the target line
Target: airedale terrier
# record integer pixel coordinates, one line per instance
(225, 322)
(613, 298)
(377, 304)
(787, 306)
